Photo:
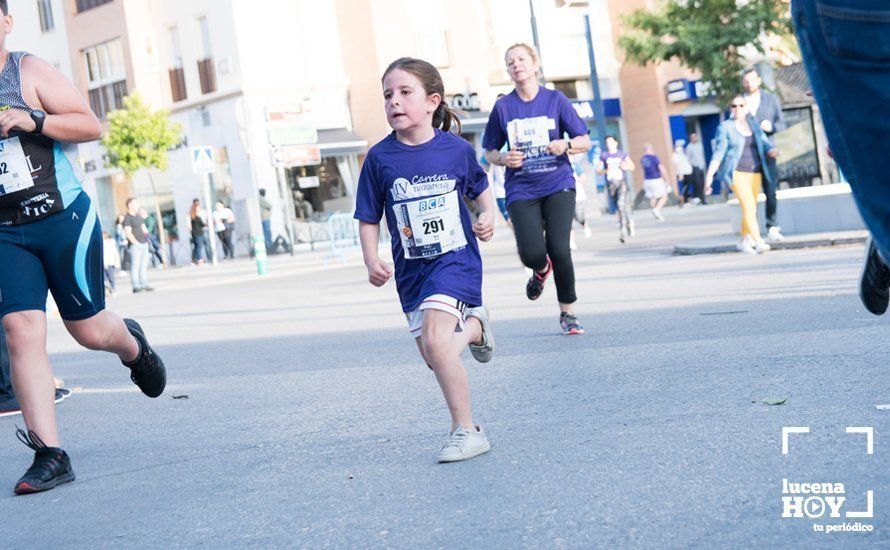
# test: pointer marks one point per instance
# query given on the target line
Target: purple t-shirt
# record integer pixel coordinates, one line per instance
(530, 126)
(612, 163)
(650, 167)
(401, 180)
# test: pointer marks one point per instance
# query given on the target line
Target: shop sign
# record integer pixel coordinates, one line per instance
(308, 182)
(290, 156)
(678, 91)
(465, 102)
(290, 124)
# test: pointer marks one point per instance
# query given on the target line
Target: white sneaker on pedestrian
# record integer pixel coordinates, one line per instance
(696, 201)
(658, 215)
(760, 247)
(746, 246)
(464, 445)
(631, 228)
(775, 235)
(482, 352)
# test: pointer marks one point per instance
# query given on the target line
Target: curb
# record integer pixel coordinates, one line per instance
(693, 250)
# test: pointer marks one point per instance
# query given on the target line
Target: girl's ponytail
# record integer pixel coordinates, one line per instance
(445, 117)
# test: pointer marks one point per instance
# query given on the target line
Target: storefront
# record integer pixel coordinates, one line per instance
(329, 186)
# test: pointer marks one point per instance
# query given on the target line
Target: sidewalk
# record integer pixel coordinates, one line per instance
(727, 243)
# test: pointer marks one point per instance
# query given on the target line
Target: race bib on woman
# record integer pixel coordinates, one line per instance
(15, 173)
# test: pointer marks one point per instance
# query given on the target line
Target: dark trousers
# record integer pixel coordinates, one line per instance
(225, 237)
(6, 392)
(772, 203)
(542, 227)
(698, 179)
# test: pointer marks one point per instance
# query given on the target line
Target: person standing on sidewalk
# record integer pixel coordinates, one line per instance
(767, 112)
(655, 181)
(683, 170)
(541, 128)
(615, 164)
(53, 244)
(418, 177)
(266, 217)
(846, 52)
(695, 152)
(740, 152)
(137, 236)
(223, 222)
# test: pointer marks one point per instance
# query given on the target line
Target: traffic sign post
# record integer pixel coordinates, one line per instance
(203, 162)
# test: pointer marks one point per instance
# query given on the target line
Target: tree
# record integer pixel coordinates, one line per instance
(140, 138)
(705, 35)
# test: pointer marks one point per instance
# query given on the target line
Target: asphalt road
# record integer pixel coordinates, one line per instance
(310, 420)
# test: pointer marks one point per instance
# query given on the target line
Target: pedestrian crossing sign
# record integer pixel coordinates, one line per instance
(203, 161)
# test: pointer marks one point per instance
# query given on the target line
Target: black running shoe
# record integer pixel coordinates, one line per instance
(147, 370)
(51, 466)
(535, 285)
(874, 283)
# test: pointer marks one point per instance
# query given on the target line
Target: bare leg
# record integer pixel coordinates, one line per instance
(32, 376)
(441, 346)
(105, 331)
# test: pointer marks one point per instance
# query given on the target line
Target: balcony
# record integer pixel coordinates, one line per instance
(84, 5)
(177, 84)
(207, 72)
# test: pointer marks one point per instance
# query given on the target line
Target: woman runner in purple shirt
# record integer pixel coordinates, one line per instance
(541, 128)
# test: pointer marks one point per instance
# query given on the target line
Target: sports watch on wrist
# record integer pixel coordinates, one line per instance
(39, 117)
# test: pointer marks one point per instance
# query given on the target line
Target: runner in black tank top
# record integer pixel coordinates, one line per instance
(50, 240)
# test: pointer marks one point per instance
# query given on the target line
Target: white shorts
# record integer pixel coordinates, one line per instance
(655, 188)
(442, 302)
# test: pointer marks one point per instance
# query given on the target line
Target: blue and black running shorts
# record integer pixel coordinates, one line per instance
(61, 253)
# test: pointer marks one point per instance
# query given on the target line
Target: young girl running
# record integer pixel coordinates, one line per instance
(416, 177)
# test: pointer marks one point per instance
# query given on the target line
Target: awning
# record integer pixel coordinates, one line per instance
(473, 121)
(340, 141)
(701, 109)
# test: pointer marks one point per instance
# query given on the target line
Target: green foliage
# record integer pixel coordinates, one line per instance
(139, 137)
(705, 35)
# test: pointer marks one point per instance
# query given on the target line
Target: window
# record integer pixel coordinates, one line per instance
(177, 73)
(84, 5)
(106, 76)
(206, 68)
(45, 7)
(568, 87)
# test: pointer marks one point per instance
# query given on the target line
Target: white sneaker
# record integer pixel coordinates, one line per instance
(631, 228)
(760, 247)
(464, 445)
(587, 232)
(658, 215)
(696, 201)
(775, 235)
(745, 246)
(482, 352)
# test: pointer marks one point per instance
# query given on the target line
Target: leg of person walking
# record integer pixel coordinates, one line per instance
(138, 257)
(559, 210)
(528, 225)
(746, 187)
(851, 83)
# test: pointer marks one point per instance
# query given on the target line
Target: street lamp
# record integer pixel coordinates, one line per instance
(599, 113)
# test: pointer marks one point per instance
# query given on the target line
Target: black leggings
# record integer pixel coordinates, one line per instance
(542, 227)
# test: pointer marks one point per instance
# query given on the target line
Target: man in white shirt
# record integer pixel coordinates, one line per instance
(695, 152)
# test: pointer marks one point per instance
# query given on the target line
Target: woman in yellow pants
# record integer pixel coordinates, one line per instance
(739, 159)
